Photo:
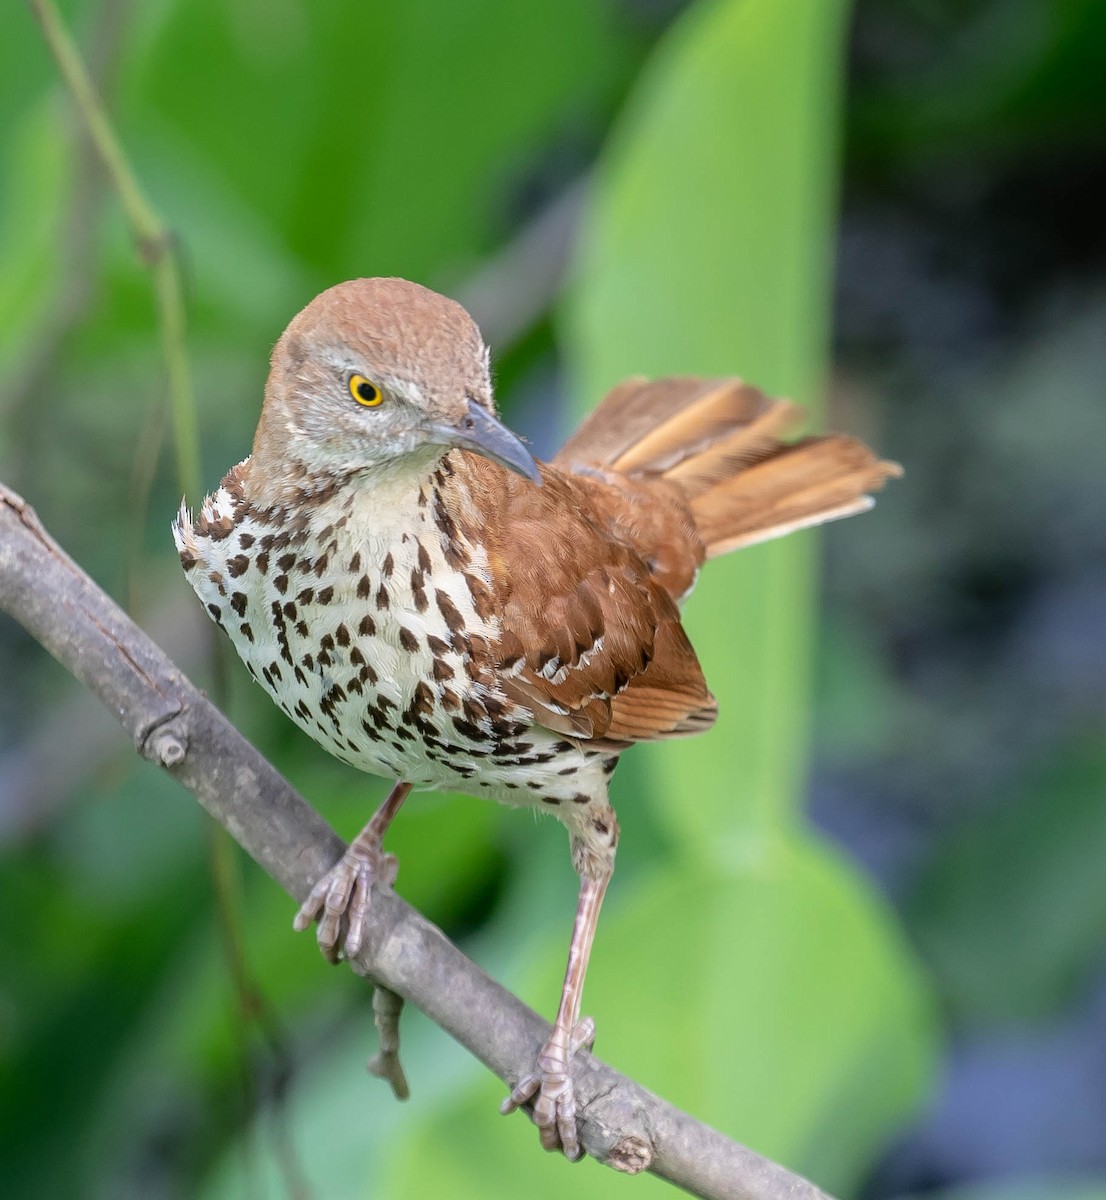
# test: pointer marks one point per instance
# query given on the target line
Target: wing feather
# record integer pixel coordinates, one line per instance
(591, 642)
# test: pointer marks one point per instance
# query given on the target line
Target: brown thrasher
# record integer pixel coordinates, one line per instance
(431, 604)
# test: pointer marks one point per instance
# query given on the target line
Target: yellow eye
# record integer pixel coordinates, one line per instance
(364, 391)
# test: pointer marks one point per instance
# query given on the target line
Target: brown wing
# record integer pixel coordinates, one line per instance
(591, 641)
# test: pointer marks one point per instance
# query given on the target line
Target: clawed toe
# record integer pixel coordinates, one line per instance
(550, 1088)
(343, 895)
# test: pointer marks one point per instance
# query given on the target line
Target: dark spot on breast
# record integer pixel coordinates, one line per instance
(545, 799)
(262, 563)
(364, 588)
(442, 670)
(238, 603)
(280, 582)
(355, 563)
(301, 628)
(342, 635)
(423, 699)
(407, 640)
(382, 598)
(449, 611)
(286, 562)
(187, 559)
(245, 540)
(516, 747)
(245, 630)
(238, 565)
(306, 596)
(216, 530)
(482, 599)
(580, 798)
(388, 565)
(290, 611)
(367, 627)
(456, 555)
(333, 696)
(325, 595)
(321, 564)
(469, 730)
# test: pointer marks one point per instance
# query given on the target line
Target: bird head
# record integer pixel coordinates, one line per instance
(376, 371)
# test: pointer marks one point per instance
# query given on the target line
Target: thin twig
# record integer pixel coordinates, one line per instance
(173, 725)
(151, 235)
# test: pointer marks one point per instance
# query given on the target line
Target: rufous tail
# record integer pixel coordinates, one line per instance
(721, 442)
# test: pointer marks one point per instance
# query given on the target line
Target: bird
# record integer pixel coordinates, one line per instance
(432, 604)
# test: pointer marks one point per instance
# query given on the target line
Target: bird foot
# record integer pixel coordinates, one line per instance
(343, 895)
(554, 1111)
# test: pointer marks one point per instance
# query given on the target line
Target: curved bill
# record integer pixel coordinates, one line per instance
(482, 433)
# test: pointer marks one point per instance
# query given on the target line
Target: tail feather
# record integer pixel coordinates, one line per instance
(719, 441)
(807, 483)
(737, 450)
(647, 427)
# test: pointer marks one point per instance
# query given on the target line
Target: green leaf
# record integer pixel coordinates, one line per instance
(707, 251)
(778, 1003)
(378, 139)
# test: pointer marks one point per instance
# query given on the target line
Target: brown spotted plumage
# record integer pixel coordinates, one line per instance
(430, 604)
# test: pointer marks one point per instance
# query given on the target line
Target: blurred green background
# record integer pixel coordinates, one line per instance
(860, 925)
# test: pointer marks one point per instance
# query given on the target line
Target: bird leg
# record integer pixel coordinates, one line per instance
(345, 890)
(554, 1110)
(385, 1063)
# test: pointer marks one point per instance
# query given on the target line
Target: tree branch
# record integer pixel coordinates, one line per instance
(173, 725)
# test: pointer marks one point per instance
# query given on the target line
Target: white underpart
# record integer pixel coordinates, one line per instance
(381, 520)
